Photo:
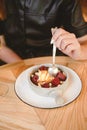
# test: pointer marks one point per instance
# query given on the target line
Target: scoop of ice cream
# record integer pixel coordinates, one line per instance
(44, 76)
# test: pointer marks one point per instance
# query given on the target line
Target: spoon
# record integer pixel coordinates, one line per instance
(53, 70)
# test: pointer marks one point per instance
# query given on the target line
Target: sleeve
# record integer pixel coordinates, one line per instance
(73, 19)
(1, 27)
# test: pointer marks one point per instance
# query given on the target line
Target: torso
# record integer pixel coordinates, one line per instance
(32, 22)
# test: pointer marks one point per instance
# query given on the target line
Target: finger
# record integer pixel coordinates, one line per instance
(67, 42)
(58, 33)
(64, 39)
(70, 49)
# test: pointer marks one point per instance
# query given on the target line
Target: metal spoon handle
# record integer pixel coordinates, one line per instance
(54, 54)
(54, 47)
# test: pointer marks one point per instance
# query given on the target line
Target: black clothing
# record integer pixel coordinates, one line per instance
(29, 22)
(1, 27)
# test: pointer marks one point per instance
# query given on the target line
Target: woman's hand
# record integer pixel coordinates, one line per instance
(67, 43)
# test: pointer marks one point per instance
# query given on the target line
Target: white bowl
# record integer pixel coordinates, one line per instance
(52, 91)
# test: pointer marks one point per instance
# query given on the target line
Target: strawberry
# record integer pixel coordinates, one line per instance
(61, 76)
(46, 85)
(43, 68)
(55, 82)
(34, 79)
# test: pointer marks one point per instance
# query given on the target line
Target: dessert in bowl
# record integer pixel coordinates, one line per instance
(45, 84)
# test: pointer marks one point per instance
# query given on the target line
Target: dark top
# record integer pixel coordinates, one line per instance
(1, 27)
(29, 22)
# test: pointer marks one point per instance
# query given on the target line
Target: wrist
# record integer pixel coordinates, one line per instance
(83, 53)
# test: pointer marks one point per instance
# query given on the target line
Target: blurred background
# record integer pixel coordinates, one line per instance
(84, 8)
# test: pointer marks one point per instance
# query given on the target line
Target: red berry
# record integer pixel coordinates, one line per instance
(46, 85)
(61, 76)
(55, 81)
(34, 79)
(43, 68)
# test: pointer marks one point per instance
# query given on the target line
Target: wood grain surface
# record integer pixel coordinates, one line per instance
(16, 115)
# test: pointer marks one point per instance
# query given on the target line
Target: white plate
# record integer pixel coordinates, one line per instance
(26, 94)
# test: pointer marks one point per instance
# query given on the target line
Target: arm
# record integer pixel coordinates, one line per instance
(6, 54)
(83, 43)
(67, 42)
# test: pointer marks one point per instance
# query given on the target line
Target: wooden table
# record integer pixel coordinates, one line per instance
(16, 115)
